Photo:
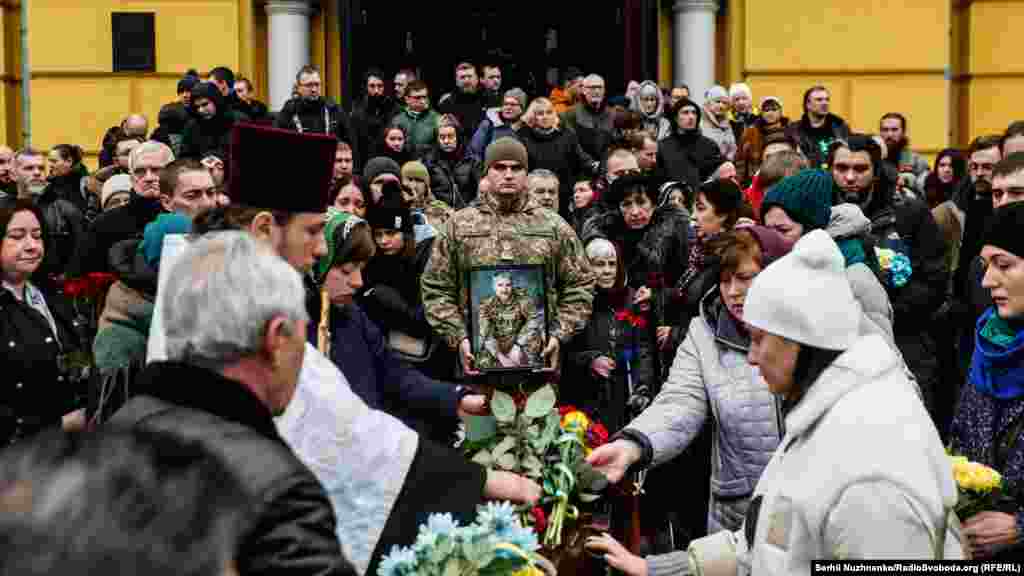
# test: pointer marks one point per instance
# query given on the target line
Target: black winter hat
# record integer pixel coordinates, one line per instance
(630, 184)
(190, 79)
(1004, 228)
(390, 213)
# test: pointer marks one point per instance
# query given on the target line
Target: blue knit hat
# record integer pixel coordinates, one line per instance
(806, 197)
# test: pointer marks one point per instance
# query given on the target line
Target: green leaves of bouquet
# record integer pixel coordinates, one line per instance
(528, 436)
(521, 436)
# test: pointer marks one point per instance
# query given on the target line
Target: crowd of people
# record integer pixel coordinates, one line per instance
(782, 322)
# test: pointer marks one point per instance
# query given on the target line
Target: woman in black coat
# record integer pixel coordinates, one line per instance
(556, 149)
(393, 143)
(35, 332)
(454, 171)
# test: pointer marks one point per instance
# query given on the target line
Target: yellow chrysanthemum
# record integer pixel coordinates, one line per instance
(575, 422)
(885, 256)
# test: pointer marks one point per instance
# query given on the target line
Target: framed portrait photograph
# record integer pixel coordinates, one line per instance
(508, 317)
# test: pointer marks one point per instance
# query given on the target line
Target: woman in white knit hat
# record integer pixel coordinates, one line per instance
(860, 472)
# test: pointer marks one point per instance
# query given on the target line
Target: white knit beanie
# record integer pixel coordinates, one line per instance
(805, 296)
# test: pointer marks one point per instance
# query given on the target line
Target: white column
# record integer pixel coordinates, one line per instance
(694, 45)
(288, 43)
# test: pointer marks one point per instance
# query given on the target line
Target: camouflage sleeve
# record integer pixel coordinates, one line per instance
(575, 286)
(440, 286)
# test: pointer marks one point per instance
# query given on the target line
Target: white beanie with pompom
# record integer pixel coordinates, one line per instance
(806, 297)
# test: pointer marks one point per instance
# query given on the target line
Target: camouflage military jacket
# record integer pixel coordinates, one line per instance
(527, 234)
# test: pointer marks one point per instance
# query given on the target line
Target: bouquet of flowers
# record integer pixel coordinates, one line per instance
(534, 437)
(495, 544)
(85, 295)
(895, 265)
(978, 487)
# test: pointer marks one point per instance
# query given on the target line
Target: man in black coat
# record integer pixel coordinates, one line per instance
(466, 102)
(226, 379)
(686, 155)
(907, 227)
(312, 112)
(818, 128)
(64, 223)
(209, 129)
(370, 115)
(248, 104)
(128, 221)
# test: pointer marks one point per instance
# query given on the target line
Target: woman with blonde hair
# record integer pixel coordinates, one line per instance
(554, 148)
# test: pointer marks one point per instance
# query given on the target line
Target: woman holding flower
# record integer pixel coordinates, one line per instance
(36, 333)
(989, 422)
(711, 381)
(612, 363)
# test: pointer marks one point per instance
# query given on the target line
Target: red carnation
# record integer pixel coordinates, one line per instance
(563, 410)
(540, 521)
(73, 287)
(622, 315)
(597, 435)
(638, 322)
(99, 281)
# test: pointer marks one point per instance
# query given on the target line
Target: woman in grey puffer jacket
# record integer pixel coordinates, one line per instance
(712, 380)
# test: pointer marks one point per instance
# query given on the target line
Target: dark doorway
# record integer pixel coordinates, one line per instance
(532, 41)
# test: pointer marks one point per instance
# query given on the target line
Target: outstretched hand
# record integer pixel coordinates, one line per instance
(614, 459)
(616, 555)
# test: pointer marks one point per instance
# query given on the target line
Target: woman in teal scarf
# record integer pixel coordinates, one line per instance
(989, 422)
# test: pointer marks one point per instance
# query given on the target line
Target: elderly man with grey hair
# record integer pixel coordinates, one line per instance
(591, 119)
(234, 355)
(127, 222)
(542, 185)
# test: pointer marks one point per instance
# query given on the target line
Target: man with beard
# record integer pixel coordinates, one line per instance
(466, 103)
(591, 119)
(63, 221)
(908, 228)
(507, 227)
(312, 112)
(818, 128)
(370, 114)
(893, 129)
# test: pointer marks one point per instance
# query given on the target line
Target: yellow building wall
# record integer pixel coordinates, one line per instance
(948, 65)
(75, 94)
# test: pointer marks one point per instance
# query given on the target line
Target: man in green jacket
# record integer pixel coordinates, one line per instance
(418, 120)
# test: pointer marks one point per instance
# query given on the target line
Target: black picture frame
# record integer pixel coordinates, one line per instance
(526, 304)
(134, 41)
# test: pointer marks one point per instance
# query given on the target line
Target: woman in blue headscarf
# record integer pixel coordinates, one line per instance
(989, 422)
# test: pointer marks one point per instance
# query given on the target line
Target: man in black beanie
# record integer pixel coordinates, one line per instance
(686, 155)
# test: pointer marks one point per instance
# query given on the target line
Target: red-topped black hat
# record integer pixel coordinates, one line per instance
(280, 169)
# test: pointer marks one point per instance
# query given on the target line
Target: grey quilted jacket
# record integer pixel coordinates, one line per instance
(711, 379)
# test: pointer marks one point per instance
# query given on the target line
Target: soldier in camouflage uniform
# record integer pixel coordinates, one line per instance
(506, 227)
(509, 327)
